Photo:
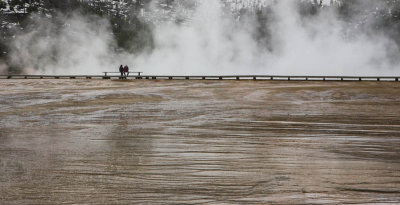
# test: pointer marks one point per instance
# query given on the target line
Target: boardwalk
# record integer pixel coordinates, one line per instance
(209, 77)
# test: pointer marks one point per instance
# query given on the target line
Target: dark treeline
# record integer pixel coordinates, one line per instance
(133, 34)
(130, 33)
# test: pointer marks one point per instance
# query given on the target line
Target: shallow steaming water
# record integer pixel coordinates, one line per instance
(207, 142)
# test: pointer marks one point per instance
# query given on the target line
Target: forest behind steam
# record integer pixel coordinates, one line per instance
(132, 21)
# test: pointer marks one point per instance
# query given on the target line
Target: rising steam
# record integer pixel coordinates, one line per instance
(214, 42)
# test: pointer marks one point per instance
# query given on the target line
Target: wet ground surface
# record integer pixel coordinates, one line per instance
(199, 142)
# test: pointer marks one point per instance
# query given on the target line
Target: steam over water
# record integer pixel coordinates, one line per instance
(216, 42)
(203, 142)
(212, 142)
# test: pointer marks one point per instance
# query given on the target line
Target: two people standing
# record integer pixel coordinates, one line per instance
(124, 70)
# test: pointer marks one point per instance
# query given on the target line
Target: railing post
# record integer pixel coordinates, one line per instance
(170, 78)
(397, 80)
(378, 79)
(288, 78)
(272, 78)
(254, 78)
(203, 78)
(220, 78)
(360, 79)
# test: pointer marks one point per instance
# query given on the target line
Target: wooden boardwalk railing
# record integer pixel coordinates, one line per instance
(138, 73)
(211, 77)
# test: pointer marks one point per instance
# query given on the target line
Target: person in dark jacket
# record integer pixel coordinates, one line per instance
(121, 70)
(126, 70)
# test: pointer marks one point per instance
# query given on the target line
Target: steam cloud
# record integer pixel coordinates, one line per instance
(214, 43)
(80, 46)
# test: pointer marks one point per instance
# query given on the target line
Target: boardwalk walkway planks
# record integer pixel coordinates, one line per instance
(211, 77)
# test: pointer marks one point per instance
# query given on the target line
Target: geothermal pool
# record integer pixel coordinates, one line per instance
(198, 142)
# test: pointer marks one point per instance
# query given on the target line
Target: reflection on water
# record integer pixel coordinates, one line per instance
(212, 142)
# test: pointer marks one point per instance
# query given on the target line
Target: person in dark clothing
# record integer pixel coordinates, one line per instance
(121, 70)
(126, 70)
